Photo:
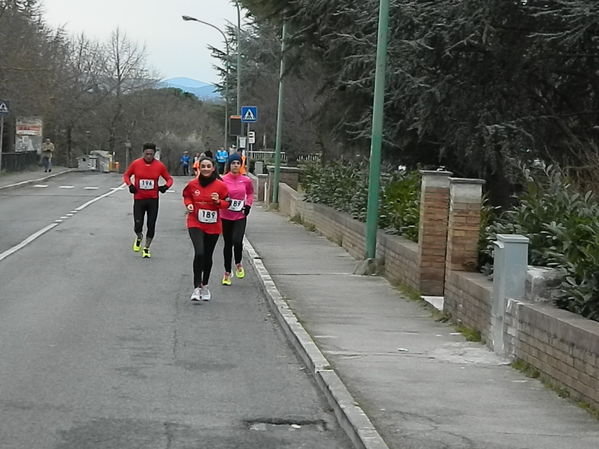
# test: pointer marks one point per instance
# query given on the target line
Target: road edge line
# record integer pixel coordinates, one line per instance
(35, 235)
(350, 416)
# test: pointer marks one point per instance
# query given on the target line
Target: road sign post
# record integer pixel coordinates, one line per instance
(249, 114)
(3, 111)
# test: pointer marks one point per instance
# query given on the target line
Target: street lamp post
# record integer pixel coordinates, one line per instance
(372, 211)
(238, 58)
(189, 18)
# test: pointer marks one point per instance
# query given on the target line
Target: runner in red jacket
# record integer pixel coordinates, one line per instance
(145, 188)
(204, 197)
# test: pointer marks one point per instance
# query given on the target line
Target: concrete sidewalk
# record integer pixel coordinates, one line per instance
(18, 179)
(417, 380)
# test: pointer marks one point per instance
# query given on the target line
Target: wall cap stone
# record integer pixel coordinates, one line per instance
(435, 173)
(271, 168)
(467, 181)
(512, 238)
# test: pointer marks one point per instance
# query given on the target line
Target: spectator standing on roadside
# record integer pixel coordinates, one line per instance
(47, 153)
(185, 163)
(221, 160)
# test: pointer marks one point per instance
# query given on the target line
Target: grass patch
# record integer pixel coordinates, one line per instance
(411, 293)
(297, 218)
(439, 316)
(310, 227)
(469, 333)
(526, 368)
(530, 371)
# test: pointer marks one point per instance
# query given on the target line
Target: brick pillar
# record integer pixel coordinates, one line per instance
(432, 233)
(464, 224)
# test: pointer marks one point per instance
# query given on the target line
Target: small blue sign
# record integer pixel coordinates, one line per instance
(3, 107)
(249, 114)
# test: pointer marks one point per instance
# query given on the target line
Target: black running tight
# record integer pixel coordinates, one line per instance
(140, 208)
(233, 231)
(203, 246)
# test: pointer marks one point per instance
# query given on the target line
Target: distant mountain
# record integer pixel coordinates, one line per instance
(204, 91)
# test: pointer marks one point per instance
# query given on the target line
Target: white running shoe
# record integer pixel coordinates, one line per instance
(196, 295)
(205, 294)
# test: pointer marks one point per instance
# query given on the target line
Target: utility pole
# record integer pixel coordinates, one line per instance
(277, 174)
(372, 213)
(3, 111)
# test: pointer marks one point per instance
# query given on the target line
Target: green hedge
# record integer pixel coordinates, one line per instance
(563, 227)
(344, 186)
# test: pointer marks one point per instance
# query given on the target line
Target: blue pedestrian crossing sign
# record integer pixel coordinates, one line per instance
(3, 107)
(249, 114)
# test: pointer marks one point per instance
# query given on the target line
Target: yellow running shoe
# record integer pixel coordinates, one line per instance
(136, 245)
(227, 279)
(239, 271)
(145, 253)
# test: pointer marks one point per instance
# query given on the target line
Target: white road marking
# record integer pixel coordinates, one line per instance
(91, 188)
(83, 206)
(42, 231)
(66, 187)
(40, 186)
(27, 241)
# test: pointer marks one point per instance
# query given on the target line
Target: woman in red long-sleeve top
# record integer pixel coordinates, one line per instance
(204, 197)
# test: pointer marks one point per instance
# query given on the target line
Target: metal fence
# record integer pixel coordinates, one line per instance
(265, 156)
(19, 161)
(269, 156)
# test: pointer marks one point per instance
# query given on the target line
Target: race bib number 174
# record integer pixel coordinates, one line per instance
(146, 184)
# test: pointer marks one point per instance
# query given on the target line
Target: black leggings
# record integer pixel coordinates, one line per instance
(203, 246)
(140, 208)
(233, 231)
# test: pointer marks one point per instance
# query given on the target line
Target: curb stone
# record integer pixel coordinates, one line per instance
(350, 416)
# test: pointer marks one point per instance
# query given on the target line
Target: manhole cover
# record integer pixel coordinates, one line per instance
(289, 425)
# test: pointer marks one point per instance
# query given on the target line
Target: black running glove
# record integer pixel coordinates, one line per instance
(163, 188)
(246, 210)
(132, 188)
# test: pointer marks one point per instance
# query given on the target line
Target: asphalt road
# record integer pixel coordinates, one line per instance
(100, 348)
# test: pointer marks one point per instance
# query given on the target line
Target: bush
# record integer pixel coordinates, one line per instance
(563, 227)
(344, 187)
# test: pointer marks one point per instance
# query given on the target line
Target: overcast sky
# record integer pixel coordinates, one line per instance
(175, 48)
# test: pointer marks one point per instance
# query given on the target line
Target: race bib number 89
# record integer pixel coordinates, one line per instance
(146, 184)
(236, 205)
(207, 216)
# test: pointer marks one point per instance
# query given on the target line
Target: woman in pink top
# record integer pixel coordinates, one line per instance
(241, 195)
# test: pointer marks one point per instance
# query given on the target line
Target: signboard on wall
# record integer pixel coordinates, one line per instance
(28, 134)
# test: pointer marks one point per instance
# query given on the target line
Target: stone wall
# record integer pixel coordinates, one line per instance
(399, 255)
(468, 300)
(564, 347)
